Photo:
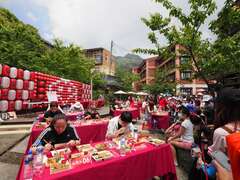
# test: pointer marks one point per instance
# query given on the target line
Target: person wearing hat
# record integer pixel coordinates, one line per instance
(53, 110)
(120, 125)
(77, 107)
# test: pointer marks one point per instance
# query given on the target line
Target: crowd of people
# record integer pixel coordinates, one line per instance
(201, 124)
(197, 123)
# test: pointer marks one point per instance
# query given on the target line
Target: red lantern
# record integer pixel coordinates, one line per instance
(13, 83)
(3, 106)
(20, 74)
(18, 105)
(5, 70)
(41, 83)
(25, 105)
(25, 84)
(19, 94)
(41, 90)
(40, 96)
(4, 94)
(32, 76)
(11, 106)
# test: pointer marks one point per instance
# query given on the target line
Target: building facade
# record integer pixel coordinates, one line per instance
(146, 70)
(185, 84)
(104, 61)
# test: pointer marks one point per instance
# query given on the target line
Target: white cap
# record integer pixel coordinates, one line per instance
(206, 98)
(77, 105)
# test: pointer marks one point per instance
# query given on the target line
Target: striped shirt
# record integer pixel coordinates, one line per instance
(51, 136)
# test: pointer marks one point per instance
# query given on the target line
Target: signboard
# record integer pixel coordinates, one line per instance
(7, 116)
(80, 159)
(52, 96)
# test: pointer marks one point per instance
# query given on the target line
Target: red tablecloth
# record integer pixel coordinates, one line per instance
(69, 116)
(134, 111)
(141, 165)
(100, 103)
(162, 120)
(94, 132)
(85, 104)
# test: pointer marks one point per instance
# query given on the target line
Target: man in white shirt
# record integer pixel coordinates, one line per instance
(120, 125)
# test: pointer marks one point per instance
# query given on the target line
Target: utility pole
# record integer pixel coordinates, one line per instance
(110, 60)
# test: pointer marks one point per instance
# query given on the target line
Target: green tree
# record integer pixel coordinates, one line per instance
(187, 34)
(99, 84)
(68, 62)
(209, 59)
(126, 78)
(161, 84)
(225, 51)
(21, 46)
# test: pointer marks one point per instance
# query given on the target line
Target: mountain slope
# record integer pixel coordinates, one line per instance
(128, 61)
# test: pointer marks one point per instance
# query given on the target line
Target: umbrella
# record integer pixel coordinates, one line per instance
(142, 94)
(199, 94)
(120, 92)
(130, 92)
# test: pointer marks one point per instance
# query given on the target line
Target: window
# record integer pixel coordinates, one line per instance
(98, 59)
(170, 64)
(171, 77)
(97, 69)
(186, 91)
(184, 59)
(186, 75)
(151, 73)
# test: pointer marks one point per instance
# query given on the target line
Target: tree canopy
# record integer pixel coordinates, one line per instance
(161, 84)
(126, 78)
(21, 46)
(209, 59)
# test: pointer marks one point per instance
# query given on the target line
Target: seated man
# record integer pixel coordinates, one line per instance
(77, 107)
(92, 114)
(58, 135)
(49, 114)
(120, 125)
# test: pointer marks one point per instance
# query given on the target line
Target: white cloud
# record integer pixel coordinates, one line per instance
(94, 23)
(31, 16)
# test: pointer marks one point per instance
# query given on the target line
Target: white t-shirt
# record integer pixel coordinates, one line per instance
(219, 139)
(188, 134)
(113, 126)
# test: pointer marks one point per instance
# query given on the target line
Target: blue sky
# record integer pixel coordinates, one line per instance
(94, 23)
(30, 13)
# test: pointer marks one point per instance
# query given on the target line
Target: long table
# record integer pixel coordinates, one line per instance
(141, 165)
(162, 119)
(70, 116)
(89, 131)
(134, 111)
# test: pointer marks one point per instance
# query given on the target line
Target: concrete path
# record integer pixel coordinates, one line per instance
(8, 171)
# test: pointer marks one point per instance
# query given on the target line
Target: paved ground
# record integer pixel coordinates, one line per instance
(9, 159)
(13, 147)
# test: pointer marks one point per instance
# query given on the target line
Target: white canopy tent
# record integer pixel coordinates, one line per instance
(131, 92)
(120, 92)
(142, 94)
